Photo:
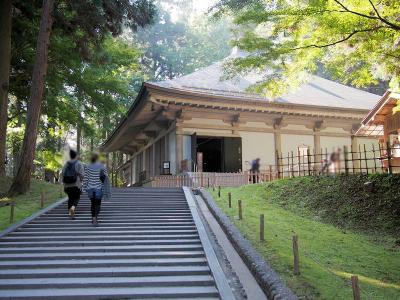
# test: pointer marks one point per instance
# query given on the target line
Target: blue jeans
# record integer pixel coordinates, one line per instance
(95, 196)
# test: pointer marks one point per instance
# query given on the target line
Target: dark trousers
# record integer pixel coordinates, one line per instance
(95, 207)
(74, 194)
(95, 196)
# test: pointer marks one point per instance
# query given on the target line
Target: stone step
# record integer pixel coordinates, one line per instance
(81, 263)
(118, 238)
(146, 246)
(84, 242)
(190, 247)
(114, 293)
(94, 282)
(101, 232)
(104, 271)
(76, 227)
(96, 255)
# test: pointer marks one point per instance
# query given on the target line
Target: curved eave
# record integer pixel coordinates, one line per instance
(244, 99)
(138, 100)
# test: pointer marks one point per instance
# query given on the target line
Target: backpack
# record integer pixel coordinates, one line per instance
(70, 175)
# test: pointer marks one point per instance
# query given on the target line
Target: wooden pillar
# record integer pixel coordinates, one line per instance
(354, 149)
(277, 141)
(317, 145)
(153, 171)
(179, 151)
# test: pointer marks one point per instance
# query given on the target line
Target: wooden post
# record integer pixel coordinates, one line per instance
(346, 161)
(355, 287)
(270, 173)
(208, 182)
(41, 199)
(219, 191)
(296, 267)
(240, 209)
(230, 200)
(389, 157)
(262, 227)
(12, 206)
(277, 165)
(366, 159)
(292, 160)
(352, 161)
(373, 151)
(359, 158)
(298, 163)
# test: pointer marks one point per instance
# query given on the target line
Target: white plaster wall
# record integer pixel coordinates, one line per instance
(172, 151)
(296, 127)
(291, 142)
(257, 144)
(334, 130)
(205, 121)
(330, 143)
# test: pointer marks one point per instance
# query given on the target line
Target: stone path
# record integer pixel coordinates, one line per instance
(149, 245)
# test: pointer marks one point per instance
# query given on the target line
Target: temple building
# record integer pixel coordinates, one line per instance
(200, 122)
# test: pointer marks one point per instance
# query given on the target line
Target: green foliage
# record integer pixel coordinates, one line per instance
(29, 203)
(355, 40)
(328, 215)
(49, 160)
(175, 48)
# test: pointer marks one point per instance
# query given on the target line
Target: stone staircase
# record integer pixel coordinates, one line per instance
(147, 246)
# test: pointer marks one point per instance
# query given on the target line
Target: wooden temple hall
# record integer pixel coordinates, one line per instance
(200, 122)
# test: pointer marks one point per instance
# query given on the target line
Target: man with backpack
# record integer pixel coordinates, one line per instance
(72, 177)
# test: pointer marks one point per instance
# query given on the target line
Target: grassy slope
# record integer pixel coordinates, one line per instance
(329, 252)
(29, 203)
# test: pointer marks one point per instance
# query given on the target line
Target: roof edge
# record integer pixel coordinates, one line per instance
(178, 91)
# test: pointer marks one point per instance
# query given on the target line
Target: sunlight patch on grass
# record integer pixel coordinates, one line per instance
(372, 281)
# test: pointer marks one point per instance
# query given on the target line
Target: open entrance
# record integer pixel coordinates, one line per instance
(220, 154)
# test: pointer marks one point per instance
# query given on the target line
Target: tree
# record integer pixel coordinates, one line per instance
(356, 41)
(5, 58)
(175, 48)
(21, 180)
(85, 24)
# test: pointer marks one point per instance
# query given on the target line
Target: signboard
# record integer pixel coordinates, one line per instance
(166, 169)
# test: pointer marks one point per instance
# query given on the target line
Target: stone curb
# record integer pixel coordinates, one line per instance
(266, 277)
(31, 217)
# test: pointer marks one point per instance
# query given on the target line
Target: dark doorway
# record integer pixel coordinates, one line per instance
(220, 154)
(211, 147)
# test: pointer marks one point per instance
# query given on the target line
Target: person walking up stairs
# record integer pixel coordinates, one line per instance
(72, 176)
(96, 183)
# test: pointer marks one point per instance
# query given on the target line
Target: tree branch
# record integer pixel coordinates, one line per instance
(378, 17)
(395, 26)
(339, 41)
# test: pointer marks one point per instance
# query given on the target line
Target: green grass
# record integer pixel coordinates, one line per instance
(29, 203)
(329, 252)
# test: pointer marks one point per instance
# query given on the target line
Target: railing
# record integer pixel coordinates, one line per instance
(207, 179)
(381, 159)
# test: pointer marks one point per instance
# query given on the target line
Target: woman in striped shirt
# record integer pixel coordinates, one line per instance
(96, 184)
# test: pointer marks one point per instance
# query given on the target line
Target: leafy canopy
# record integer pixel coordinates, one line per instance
(355, 41)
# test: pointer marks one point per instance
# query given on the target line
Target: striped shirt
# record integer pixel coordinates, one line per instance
(91, 180)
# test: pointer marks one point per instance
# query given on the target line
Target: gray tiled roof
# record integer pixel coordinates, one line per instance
(317, 91)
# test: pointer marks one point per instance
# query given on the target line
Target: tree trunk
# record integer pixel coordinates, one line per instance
(5, 58)
(21, 182)
(16, 142)
(78, 137)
